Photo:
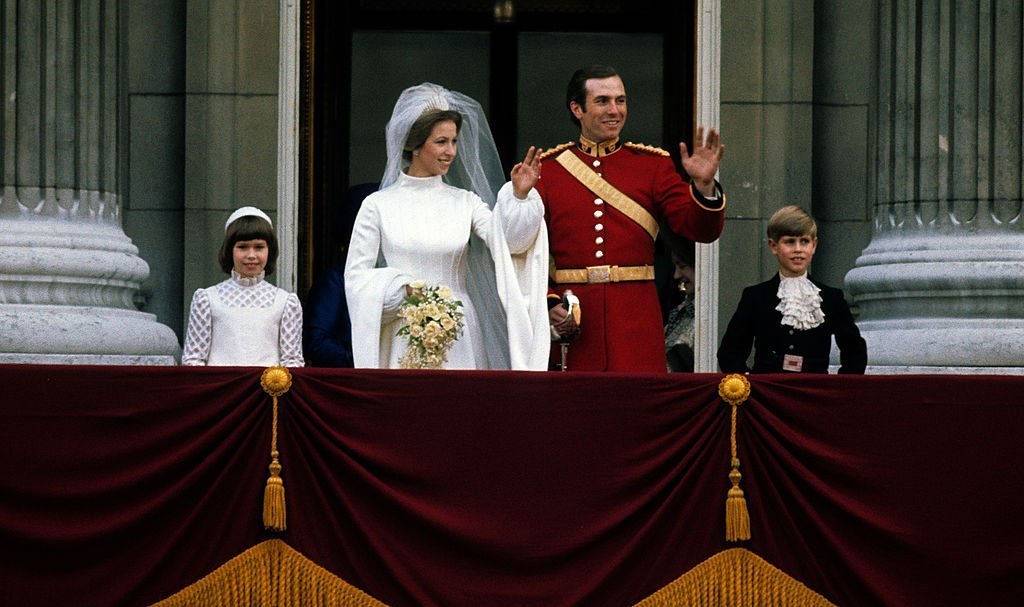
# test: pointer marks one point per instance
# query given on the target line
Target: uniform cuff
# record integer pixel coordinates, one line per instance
(714, 203)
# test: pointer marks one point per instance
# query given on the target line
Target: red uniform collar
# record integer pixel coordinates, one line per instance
(605, 148)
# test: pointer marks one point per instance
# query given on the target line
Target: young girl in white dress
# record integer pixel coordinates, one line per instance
(433, 220)
(245, 321)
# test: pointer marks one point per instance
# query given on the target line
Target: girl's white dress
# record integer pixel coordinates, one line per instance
(420, 228)
(244, 322)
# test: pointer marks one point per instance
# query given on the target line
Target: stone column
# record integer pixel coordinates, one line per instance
(941, 285)
(69, 275)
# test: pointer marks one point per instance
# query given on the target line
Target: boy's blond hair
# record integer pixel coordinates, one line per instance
(791, 220)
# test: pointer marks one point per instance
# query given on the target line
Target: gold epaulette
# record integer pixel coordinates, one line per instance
(647, 149)
(555, 150)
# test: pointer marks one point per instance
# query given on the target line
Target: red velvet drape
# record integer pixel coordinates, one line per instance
(122, 485)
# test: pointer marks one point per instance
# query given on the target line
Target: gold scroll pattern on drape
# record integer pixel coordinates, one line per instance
(270, 574)
(735, 577)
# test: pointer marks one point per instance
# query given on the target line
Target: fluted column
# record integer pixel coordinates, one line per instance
(68, 273)
(941, 285)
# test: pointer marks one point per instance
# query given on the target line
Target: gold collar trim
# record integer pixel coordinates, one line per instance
(591, 148)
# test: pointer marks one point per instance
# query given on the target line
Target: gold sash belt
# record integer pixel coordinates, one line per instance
(602, 274)
(612, 195)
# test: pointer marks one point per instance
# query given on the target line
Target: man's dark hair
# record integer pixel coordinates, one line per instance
(577, 89)
(247, 228)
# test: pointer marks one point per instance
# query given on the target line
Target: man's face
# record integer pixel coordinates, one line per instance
(605, 112)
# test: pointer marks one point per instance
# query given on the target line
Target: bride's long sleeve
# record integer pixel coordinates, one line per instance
(518, 242)
(522, 218)
(361, 265)
(371, 291)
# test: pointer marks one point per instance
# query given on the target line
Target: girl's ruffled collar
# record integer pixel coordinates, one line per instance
(244, 281)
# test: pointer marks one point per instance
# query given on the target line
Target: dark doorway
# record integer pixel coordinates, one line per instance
(515, 57)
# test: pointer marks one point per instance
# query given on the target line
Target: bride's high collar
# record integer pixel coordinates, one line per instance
(407, 179)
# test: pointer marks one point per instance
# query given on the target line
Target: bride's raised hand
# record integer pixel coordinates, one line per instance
(526, 173)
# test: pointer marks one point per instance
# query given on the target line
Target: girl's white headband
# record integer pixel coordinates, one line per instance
(247, 212)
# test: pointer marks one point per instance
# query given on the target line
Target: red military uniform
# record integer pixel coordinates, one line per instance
(620, 328)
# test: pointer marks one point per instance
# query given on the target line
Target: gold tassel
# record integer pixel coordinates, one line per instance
(735, 389)
(274, 513)
(275, 382)
(737, 519)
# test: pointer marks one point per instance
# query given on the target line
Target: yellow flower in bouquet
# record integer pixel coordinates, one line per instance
(433, 320)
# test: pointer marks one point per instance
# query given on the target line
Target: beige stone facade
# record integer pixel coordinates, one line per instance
(798, 101)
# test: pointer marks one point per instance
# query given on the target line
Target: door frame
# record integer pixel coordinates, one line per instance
(295, 91)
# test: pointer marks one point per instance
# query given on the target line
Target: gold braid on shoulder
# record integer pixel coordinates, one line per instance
(646, 149)
(555, 150)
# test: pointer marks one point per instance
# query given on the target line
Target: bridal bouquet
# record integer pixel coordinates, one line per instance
(433, 321)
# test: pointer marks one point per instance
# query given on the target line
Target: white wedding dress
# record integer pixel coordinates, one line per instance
(419, 229)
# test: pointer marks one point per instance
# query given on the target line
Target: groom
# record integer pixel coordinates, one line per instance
(604, 200)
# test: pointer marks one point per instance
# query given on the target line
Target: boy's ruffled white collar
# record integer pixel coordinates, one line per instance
(799, 302)
(246, 281)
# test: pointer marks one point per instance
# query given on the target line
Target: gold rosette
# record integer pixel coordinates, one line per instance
(734, 389)
(275, 381)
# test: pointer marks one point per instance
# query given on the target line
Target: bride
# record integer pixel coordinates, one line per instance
(436, 218)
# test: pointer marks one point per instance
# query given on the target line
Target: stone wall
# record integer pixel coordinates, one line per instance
(201, 135)
(153, 136)
(797, 92)
(797, 87)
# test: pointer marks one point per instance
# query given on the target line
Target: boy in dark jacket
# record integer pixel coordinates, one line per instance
(790, 319)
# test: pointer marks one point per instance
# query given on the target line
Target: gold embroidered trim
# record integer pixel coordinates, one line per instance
(603, 274)
(647, 149)
(599, 149)
(558, 148)
(696, 199)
